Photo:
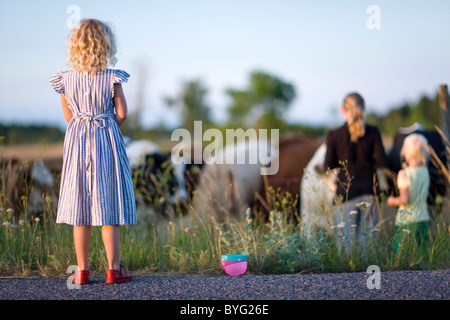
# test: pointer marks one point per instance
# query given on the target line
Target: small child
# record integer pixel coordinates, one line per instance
(413, 182)
(96, 183)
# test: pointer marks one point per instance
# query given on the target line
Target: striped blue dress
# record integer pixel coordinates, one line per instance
(96, 184)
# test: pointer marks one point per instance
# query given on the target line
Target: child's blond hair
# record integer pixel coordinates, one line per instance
(354, 105)
(415, 147)
(92, 46)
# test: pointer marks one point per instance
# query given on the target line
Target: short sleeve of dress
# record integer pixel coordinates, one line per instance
(119, 76)
(402, 180)
(57, 82)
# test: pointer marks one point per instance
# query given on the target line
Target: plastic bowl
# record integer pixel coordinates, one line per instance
(235, 268)
(235, 257)
(234, 264)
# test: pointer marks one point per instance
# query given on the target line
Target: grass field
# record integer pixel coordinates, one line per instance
(33, 244)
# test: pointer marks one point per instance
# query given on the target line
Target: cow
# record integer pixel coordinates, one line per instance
(31, 186)
(317, 190)
(226, 190)
(438, 181)
(159, 181)
(294, 153)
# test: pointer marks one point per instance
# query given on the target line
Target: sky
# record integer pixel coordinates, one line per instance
(325, 48)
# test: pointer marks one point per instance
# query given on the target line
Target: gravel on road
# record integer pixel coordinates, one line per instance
(392, 285)
(393, 293)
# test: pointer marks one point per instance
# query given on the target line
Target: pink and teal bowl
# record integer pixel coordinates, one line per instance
(234, 264)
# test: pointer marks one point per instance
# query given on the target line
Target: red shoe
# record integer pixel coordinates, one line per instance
(114, 276)
(81, 277)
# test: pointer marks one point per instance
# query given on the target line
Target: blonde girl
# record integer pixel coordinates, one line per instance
(413, 182)
(96, 185)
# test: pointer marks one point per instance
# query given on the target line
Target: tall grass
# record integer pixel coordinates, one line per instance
(33, 244)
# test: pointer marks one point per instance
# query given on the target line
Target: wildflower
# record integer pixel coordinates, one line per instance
(375, 230)
(13, 225)
(21, 222)
(407, 231)
(363, 204)
(341, 225)
(6, 223)
(9, 210)
(37, 219)
(333, 227)
(353, 225)
(353, 212)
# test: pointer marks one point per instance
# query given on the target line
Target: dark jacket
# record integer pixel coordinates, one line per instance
(363, 158)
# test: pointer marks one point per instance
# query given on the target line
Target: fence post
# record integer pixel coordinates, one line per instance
(445, 110)
(444, 103)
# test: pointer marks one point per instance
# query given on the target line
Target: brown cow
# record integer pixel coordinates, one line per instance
(294, 155)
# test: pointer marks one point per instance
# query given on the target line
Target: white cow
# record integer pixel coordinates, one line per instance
(228, 189)
(317, 191)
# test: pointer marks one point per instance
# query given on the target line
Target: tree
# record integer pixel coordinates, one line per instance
(191, 102)
(266, 99)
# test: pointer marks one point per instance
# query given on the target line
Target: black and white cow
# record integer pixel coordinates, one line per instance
(159, 181)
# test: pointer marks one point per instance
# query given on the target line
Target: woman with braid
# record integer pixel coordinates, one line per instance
(357, 150)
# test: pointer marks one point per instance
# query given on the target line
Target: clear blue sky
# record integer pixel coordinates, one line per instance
(324, 47)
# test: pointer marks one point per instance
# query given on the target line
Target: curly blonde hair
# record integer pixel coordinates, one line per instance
(354, 105)
(92, 46)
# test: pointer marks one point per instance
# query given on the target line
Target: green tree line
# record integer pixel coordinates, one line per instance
(425, 111)
(261, 103)
(30, 134)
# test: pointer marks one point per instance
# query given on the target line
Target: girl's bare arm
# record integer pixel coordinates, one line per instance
(67, 113)
(403, 198)
(120, 104)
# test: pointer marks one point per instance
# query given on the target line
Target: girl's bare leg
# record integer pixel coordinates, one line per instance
(82, 239)
(111, 240)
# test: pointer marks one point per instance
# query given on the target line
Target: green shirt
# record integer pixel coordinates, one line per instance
(417, 180)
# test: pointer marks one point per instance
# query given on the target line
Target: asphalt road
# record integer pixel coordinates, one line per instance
(393, 285)
(266, 296)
